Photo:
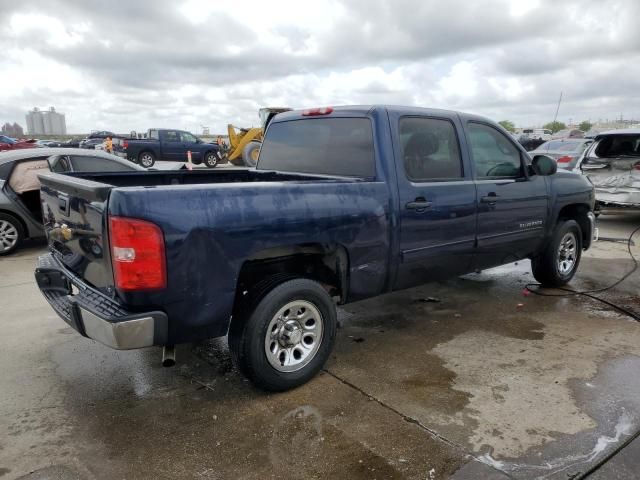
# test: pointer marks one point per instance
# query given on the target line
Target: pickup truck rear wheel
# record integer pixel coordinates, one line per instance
(211, 159)
(146, 159)
(287, 337)
(11, 233)
(558, 262)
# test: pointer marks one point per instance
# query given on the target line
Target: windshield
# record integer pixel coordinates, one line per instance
(4, 139)
(619, 146)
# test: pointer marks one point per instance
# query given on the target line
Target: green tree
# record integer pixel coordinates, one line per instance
(508, 125)
(585, 126)
(555, 126)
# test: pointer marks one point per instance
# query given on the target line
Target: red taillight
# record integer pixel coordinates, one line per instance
(125, 144)
(565, 159)
(137, 254)
(636, 166)
(312, 112)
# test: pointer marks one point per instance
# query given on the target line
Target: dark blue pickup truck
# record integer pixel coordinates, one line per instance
(345, 204)
(170, 145)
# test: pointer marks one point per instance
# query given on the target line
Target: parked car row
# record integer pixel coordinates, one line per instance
(8, 143)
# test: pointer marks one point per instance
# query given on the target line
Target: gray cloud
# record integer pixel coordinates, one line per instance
(142, 63)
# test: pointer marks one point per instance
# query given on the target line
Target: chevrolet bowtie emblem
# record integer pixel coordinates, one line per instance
(67, 233)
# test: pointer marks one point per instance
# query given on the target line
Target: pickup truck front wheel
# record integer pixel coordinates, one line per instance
(556, 265)
(285, 340)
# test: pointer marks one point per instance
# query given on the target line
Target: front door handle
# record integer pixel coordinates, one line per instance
(419, 205)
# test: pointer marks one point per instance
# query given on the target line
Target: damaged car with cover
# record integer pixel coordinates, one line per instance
(346, 203)
(612, 164)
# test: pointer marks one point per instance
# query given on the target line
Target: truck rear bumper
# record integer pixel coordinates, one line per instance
(95, 315)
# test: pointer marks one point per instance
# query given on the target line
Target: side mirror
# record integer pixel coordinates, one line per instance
(544, 165)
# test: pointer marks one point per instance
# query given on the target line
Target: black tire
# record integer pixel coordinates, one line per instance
(211, 159)
(551, 267)
(248, 334)
(250, 152)
(11, 234)
(146, 159)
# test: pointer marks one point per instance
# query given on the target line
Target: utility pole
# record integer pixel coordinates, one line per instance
(555, 117)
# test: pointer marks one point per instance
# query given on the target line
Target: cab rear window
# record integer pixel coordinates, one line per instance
(325, 146)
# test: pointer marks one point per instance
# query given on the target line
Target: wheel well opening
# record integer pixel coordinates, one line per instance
(577, 212)
(326, 264)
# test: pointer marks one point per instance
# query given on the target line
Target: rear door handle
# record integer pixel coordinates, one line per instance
(418, 205)
(490, 199)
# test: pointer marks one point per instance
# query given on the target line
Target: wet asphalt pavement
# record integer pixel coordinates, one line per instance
(481, 382)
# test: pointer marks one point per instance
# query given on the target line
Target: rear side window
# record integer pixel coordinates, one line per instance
(98, 164)
(171, 136)
(326, 146)
(430, 149)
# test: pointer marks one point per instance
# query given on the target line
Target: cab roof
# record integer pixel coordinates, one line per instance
(362, 110)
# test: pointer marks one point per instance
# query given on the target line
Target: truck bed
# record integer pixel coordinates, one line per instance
(195, 177)
(213, 222)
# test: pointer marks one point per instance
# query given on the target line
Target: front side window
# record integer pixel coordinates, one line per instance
(430, 149)
(493, 154)
(188, 137)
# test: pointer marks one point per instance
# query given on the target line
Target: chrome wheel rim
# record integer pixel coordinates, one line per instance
(146, 160)
(567, 253)
(212, 160)
(8, 236)
(294, 336)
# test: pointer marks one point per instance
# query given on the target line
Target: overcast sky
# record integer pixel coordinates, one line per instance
(129, 65)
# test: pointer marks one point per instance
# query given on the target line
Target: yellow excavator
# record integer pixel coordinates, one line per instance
(244, 143)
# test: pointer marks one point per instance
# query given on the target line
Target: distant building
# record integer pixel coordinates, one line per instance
(47, 122)
(14, 131)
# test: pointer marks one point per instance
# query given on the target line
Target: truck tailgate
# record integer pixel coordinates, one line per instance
(74, 213)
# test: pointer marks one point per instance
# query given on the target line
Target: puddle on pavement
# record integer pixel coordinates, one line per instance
(489, 374)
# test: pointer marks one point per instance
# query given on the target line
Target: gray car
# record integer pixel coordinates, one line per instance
(20, 213)
(567, 152)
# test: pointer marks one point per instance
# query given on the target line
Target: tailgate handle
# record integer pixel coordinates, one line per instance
(63, 204)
